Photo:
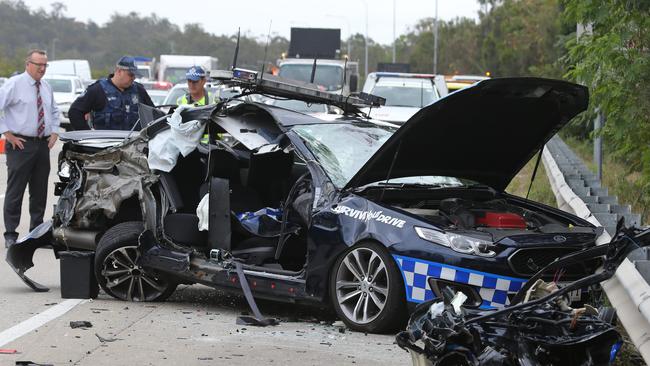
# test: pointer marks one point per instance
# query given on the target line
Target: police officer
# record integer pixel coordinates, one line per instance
(197, 94)
(112, 101)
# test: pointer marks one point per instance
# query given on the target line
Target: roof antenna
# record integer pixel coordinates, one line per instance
(266, 48)
(234, 60)
(313, 71)
(345, 76)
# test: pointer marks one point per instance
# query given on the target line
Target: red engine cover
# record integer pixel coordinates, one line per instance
(504, 220)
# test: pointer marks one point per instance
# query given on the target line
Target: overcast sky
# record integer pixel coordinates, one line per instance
(254, 16)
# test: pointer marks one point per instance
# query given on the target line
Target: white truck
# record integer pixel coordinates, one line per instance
(323, 45)
(329, 73)
(146, 66)
(172, 68)
(79, 68)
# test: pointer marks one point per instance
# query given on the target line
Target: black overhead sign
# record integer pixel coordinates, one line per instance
(314, 43)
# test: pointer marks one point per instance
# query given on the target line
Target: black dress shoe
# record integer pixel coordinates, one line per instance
(9, 242)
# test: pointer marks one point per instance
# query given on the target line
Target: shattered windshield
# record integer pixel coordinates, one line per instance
(342, 149)
(329, 76)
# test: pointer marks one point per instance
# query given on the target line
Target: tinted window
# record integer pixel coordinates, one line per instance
(329, 76)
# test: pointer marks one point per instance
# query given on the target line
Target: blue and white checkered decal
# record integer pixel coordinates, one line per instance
(493, 289)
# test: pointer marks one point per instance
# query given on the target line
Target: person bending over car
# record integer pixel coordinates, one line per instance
(111, 101)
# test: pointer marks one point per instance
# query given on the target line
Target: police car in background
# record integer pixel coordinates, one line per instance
(405, 94)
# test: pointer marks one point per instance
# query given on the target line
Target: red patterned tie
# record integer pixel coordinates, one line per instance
(41, 113)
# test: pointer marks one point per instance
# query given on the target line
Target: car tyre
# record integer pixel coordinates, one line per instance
(117, 271)
(367, 291)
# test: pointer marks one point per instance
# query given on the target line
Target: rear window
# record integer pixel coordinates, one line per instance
(406, 94)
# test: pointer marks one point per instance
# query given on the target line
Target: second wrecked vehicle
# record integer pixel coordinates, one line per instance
(301, 209)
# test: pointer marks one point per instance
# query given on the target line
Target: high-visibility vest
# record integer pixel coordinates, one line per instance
(187, 99)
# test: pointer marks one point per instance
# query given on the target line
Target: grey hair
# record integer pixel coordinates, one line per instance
(33, 51)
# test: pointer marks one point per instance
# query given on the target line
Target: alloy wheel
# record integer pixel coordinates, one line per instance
(362, 285)
(129, 281)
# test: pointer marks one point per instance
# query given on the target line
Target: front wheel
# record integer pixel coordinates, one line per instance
(117, 271)
(367, 291)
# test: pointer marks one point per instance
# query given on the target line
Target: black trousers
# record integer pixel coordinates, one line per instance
(30, 166)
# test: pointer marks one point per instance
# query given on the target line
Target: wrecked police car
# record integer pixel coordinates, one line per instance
(302, 209)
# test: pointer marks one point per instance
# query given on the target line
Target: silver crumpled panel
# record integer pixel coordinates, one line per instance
(112, 176)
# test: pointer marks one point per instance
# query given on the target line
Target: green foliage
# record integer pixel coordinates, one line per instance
(520, 38)
(613, 61)
(132, 34)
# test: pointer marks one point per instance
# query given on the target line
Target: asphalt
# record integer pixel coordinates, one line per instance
(196, 326)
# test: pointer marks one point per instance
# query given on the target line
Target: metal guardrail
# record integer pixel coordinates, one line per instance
(586, 185)
(579, 191)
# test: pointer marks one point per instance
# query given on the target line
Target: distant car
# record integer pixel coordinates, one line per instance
(157, 90)
(405, 94)
(457, 82)
(66, 89)
(158, 96)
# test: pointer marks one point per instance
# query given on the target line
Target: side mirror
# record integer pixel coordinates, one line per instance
(354, 81)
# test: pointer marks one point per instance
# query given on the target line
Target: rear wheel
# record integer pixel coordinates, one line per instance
(117, 271)
(366, 289)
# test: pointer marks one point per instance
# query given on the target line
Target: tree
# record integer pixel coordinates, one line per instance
(614, 62)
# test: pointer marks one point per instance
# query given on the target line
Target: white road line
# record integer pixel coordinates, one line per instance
(37, 321)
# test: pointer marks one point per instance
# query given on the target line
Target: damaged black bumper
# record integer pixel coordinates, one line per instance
(19, 255)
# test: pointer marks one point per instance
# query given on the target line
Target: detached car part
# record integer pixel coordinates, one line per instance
(544, 330)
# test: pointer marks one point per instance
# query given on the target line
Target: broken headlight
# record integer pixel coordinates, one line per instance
(459, 243)
(64, 170)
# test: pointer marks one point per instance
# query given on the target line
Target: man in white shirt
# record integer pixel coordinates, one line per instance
(30, 125)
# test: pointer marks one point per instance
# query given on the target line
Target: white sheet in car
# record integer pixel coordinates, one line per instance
(181, 138)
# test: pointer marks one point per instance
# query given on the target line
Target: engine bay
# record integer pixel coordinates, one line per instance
(480, 209)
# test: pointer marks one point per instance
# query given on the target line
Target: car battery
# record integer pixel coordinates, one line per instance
(78, 275)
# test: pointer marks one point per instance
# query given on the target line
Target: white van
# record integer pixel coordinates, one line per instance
(172, 68)
(79, 68)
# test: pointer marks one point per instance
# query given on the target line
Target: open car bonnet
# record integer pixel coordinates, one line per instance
(485, 133)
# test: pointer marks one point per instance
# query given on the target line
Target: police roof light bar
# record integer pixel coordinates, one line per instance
(291, 89)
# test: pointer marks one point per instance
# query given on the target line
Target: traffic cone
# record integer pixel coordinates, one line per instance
(2, 146)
